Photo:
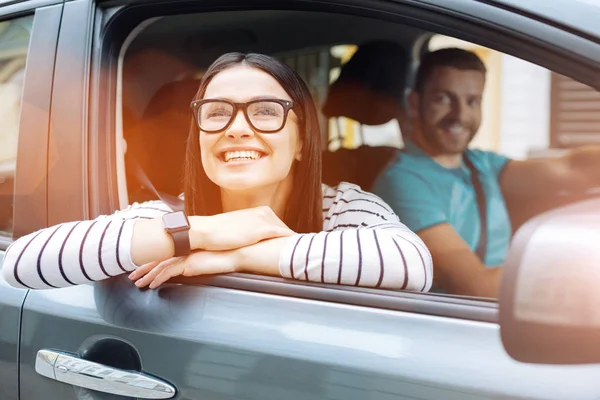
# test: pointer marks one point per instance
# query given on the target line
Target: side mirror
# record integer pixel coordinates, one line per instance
(550, 292)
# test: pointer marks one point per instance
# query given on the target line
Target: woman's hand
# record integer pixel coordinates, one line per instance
(197, 263)
(236, 229)
(260, 258)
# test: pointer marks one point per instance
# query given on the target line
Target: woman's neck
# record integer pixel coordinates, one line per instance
(275, 196)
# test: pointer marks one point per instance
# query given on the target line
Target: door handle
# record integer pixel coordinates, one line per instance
(76, 371)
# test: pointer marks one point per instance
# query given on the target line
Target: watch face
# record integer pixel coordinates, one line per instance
(175, 220)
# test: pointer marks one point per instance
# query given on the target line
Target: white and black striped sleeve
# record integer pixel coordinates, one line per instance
(363, 244)
(73, 253)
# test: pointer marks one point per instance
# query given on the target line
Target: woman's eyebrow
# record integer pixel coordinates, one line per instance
(265, 97)
(253, 98)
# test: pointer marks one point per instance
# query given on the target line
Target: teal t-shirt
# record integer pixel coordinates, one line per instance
(424, 193)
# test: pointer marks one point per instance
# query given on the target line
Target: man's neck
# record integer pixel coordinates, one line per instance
(452, 160)
(448, 160)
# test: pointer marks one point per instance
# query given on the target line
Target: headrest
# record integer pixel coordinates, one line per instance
(173, 97)
(371, 85)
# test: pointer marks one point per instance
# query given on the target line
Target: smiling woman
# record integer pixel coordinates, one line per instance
(254, 202)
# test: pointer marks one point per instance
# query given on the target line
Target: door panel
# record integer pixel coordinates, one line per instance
(215, 343)
(67, 171)
(11, 300)
(29, 185)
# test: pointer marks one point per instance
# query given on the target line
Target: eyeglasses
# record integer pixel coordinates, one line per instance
(265, 115)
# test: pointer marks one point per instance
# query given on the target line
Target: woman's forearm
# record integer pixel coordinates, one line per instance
(69, 254)
(261, 258)
(151, 242)
(393, 258)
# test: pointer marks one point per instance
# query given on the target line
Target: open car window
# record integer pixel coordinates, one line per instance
(528, 111)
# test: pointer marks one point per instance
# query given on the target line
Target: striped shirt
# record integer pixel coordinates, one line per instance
(363, 243)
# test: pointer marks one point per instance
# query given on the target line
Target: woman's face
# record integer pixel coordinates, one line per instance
(239, 158)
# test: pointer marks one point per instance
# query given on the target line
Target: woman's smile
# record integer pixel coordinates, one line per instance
(235, 156)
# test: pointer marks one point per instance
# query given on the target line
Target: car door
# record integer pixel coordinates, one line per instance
(245, 336)
(28, 33)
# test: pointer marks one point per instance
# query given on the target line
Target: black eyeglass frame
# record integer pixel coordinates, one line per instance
(286, 104)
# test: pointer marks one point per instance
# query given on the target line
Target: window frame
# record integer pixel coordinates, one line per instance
(486, 25)
(30, 181)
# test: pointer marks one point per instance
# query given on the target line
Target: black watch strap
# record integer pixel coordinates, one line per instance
(181, 241)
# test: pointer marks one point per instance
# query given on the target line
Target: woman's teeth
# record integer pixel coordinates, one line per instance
(241, 155)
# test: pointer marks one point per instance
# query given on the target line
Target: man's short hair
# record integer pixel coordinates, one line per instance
(450, 57)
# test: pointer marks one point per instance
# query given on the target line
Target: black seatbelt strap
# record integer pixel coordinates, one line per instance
(174, 202)
(481, 207)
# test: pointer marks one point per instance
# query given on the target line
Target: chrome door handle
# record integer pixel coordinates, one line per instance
(73, 370)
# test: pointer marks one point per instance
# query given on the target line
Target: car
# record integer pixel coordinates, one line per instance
(83, 84)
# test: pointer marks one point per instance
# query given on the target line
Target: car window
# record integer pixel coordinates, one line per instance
(527, 112)
(531, 112)
(14, 41)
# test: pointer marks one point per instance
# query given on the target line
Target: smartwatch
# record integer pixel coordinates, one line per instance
(177, 225)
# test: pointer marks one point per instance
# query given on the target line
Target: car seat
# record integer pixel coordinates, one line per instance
(158, 141)
(370, 90)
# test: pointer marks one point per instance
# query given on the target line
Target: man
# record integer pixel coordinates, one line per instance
(429, 185)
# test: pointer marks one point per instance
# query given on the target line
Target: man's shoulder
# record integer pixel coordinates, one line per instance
(485, 160)
(407, 169)
(405, 160)
(481, 153)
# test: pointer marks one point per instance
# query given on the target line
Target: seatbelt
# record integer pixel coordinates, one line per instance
(482, 208)
(174, 202)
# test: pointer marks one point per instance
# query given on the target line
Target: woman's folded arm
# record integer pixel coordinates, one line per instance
(364, 244)
(388, 256)
(73, 253)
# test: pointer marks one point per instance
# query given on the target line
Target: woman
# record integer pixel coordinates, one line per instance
(253, 194)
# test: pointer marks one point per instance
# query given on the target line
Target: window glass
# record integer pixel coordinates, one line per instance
(529, 112)
(516, 101)
(347, 133)
(14, 41)
(518, 111)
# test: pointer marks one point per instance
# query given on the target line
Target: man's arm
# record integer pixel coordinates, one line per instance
(577, 170)
(422, 207)
(456, 268)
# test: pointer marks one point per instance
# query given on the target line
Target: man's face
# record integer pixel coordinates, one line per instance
(449, 109)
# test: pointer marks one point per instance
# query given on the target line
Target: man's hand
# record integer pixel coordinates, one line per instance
(575, 171)
(456, 268)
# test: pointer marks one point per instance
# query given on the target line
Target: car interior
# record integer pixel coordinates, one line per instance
(156, 114)
(165, 59)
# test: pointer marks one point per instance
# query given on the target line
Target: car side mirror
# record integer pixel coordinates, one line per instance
(550, 291)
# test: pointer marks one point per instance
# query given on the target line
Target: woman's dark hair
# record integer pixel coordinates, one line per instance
(304, 209)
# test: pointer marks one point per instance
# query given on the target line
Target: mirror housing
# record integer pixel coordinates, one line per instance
(550, 290)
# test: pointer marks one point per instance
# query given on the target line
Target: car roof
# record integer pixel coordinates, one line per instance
(579, 16)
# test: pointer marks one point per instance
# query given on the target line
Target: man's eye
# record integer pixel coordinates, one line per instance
(442, 98)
